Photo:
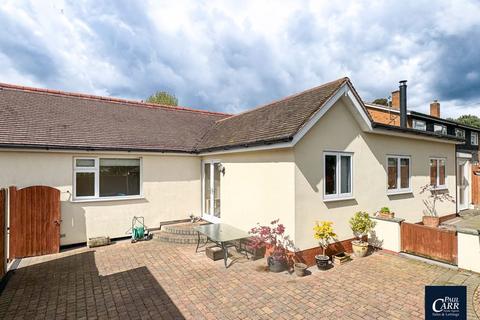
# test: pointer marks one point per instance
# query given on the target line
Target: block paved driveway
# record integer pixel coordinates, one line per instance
(164, 281)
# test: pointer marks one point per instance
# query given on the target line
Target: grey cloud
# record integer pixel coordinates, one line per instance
(230, 66)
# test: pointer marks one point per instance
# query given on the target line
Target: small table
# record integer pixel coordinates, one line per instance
(220, 234)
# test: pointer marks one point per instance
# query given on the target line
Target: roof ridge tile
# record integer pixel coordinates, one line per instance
(106, 99)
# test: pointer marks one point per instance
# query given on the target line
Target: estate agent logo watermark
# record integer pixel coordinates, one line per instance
(446, 302)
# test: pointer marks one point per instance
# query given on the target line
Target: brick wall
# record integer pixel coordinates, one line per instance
(384, 116)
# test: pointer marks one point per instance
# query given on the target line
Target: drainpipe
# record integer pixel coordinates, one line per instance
(403, 103)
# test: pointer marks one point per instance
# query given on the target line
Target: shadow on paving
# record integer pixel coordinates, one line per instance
(71, 287)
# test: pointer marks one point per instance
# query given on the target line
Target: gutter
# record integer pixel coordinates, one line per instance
(378, 125)
(246, 145)
(79, 148)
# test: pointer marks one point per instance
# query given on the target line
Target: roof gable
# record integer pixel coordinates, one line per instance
(275, 122)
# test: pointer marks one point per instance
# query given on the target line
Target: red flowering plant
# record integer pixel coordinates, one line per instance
(273, 236)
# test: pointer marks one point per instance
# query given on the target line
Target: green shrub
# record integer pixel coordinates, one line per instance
(361, 224)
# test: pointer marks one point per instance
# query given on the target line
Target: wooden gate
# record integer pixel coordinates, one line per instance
(432, 243)
(34, 221)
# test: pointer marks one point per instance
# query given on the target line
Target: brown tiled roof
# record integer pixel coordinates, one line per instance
(274, 122)
(35, 118)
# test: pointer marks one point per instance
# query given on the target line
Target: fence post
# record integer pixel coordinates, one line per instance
(12, 234)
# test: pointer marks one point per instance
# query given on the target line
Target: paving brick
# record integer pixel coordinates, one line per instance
(156, 280)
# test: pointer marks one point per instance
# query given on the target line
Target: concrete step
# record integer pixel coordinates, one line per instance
(177, 238)
(182, 228)
(180, 233)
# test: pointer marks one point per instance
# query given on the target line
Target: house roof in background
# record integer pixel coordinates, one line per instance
(40, 118)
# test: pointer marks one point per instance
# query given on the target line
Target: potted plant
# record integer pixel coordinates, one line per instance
(323, 233)
(386, 213)
(361, 225)
(430, 215)
(300, 268)
(273, 236)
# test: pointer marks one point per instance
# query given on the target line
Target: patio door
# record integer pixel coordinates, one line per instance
(463, 184)
(211, 190)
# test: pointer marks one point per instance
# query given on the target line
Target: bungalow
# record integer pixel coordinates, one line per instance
(315, 155)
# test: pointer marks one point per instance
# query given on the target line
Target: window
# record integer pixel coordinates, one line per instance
(338, 175)
(398, 174)
(440, 128)
(437, 172)
(106, 178)
(474, 138)
(419, 125)
(460, 133)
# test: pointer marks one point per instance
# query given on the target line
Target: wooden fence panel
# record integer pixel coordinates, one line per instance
(34, 221)
(433, 243)
(475, 185)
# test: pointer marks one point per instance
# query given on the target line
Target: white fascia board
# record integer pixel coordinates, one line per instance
(352, 101)
(464, 155)
(281, 145)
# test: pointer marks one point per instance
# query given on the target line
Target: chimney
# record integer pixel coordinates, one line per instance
(395, 103)
(435, 109)
(403, 103)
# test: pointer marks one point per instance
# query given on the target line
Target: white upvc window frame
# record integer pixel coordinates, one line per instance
(437, 185)
(443, 129)
(457, 131)
(474, 134)
(399, 189)
(96, 171)
(338, 195)
(417, 121)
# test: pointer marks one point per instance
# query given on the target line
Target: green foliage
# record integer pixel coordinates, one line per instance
(324, 233)
(361, 224)
(382, 101)
(385, 210)
(469, 120)
(163, 97)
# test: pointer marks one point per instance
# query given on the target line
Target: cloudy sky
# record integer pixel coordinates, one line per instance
(231, 56)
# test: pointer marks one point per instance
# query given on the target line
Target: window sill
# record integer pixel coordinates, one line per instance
(339, 199)
(399, 192)
(106, 199)
(440, 188)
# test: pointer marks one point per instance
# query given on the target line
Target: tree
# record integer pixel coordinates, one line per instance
(163, 97)
(469, 120)
(382, 101)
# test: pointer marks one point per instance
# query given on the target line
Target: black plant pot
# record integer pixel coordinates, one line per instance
(276, 265)
(323, 262)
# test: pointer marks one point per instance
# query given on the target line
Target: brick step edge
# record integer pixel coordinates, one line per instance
(179, 230)
(177, 238)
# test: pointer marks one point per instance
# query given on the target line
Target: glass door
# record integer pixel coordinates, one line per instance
(462, 184)
(211, 177)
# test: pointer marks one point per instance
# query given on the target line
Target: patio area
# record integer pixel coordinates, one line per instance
(152, 280)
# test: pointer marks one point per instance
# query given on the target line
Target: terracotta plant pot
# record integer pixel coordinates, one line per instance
(388, 215)
(322, 261)
(360, 248)
(430, 221)
(300, 269)
(276, 265)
